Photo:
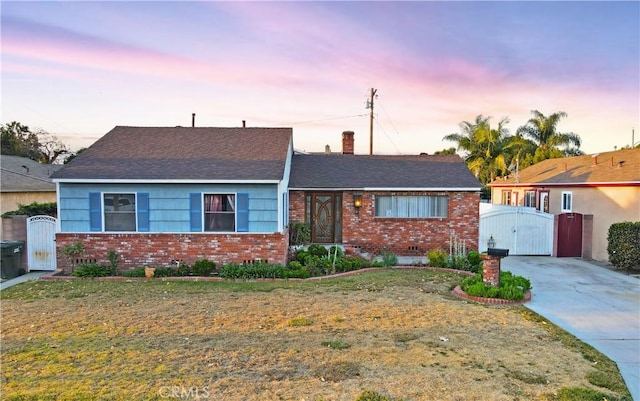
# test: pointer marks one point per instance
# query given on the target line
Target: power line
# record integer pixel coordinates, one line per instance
(388, 116)
(385, 134)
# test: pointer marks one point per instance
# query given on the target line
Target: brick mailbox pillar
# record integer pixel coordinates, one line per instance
(491, 266)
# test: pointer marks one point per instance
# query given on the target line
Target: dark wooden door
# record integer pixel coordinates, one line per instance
(570, 234)
(324, 217)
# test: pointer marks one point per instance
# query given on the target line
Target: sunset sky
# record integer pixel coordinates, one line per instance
(77, 69)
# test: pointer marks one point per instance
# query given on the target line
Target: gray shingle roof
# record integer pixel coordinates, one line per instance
(586, 169)
(179, 153)
(20, 174)
(364, 171)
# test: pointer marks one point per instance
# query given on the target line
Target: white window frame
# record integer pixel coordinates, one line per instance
(567, 202)
(418, 210)
(104, 216)
(205, 213)
(528, 198)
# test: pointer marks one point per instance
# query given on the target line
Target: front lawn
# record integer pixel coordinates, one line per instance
(387, 334)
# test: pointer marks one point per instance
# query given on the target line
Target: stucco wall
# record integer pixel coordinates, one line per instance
(9, 200)
(607, 204)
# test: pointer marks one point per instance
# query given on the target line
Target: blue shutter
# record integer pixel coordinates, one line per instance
(95, 212)
(142, 206)
(195, 211)
(242, 212)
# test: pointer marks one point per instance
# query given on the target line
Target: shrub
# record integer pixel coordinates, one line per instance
(511, 287)
(203, 267)
(91, 270)
(299, 233)
(474, 260)
(231, 271)
(235, 271)
(437, 257)
(317, 250)
(389, 258)
(183, 269)
(302, 256)
(336, 250)
(113, 261)
(624, 245)
(34, 209)
(164, 272)
(294, 265)
(137, 272)
(302, 272)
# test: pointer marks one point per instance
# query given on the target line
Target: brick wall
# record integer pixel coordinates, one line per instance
(157, 250)
(404, 237)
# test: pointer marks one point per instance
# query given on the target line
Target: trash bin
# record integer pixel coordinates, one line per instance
(11, 263)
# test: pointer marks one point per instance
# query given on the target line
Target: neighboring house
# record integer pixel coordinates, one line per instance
(157, 195)
(602, 188)
(23, 181)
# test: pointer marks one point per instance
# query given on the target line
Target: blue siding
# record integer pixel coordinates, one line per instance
(169, 204)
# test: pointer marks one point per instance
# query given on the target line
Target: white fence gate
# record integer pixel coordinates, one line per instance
(521, 230)
(41, 243)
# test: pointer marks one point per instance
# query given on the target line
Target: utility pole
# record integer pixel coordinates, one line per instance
(370, 106)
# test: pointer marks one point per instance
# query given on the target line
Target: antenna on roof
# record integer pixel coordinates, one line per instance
(193, 120)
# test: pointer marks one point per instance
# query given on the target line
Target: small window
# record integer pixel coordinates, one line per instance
(530, 198)
(411, 206)
(567, 201)
(220, 212)
(119, 212)
(506, 197)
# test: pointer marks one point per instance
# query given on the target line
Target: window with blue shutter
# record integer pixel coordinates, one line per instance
(142, 205)
(195, 211)
(95, 212)
(242, 210)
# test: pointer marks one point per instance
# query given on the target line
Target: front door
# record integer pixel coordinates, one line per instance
(325, 215)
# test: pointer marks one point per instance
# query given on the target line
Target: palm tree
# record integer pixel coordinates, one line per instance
(542, 130)
(484, 146)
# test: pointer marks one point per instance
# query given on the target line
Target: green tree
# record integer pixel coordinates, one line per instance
(543, 131)
(448, 151)
(484, 146)
(18, 140)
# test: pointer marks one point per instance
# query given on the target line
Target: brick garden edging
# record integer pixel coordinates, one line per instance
(56, 276)
(491, 301)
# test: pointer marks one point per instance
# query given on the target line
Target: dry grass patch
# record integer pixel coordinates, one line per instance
(392, 334)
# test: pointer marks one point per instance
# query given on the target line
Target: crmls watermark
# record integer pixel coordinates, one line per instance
(184, 393)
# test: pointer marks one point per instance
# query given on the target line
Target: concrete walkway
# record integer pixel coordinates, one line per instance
(599, 306)
(34, 275)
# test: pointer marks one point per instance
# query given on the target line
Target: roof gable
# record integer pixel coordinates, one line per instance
(178, 153)
(393, 172)
(602, 168)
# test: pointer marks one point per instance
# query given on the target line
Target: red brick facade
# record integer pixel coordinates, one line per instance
(158, 250)
(404, 237)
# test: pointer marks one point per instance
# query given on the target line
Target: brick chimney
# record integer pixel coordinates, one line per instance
(347, 142)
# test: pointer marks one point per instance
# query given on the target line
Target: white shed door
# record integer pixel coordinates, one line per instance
(41, 243)
(522, 230)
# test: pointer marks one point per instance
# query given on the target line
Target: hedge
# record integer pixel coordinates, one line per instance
(624, 245)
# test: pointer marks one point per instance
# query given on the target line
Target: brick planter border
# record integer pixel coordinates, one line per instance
(57, 275)
(491, 301)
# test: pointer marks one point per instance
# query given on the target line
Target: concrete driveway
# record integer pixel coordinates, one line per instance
(599, 306)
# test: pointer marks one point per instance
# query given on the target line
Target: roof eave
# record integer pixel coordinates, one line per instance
(159, 181)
